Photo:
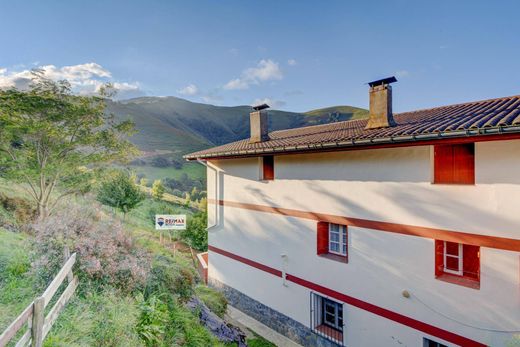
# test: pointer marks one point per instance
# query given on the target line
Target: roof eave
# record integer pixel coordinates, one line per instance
(417, 139)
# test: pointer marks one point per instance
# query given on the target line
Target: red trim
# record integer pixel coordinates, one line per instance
(412, 230)
(394, 316)
(444, 141)
(460, 280)
(246, 261)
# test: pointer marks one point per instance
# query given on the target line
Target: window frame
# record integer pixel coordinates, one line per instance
(342, 239)
(460, 257)
(338, 314)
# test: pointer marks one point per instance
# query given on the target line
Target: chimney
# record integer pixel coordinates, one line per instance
(381, 104)
(259, 124)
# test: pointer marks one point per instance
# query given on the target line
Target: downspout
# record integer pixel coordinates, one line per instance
(216, 192)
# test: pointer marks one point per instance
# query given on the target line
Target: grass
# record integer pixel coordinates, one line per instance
(259, 341)
(215, 301)
(17, 286)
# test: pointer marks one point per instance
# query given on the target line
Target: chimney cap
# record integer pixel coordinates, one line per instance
(387, 80)
(260, 107)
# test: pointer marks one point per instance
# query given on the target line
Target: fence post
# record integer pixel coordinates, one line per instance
(66, 256)
(37, 322)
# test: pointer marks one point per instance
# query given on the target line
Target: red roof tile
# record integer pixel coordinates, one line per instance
(494, 116)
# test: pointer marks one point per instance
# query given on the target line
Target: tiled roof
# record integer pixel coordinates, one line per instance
(494, 116)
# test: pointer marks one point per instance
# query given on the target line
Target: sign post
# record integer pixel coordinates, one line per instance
(169, 222)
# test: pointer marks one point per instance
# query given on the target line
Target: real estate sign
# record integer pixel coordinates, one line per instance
(170, 222)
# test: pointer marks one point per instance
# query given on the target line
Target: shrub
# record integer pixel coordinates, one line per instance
(196, 234)
(21, 209)
(170, 277)
(152, 321)
(121, 193)
(105, 254)
(157, 190)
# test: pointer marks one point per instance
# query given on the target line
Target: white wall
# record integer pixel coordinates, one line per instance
(391, 185)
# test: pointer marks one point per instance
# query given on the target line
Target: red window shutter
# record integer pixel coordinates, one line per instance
(323, 238)
(464, 164)
(471, 261)
(268, 167)
(443, 164)
(454, 164)
(439, 257)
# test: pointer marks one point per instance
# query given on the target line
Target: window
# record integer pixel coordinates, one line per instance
(431, 343)
(338, 239)
(268, 168)
(327, 318)
(452, 262)
(332, 241)
(457, 263)
(454, 164)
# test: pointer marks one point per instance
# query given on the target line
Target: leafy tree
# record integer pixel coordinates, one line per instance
(194, 195)
(196, 234)
(121, 193)
(52, 140)
(144, 182)
(203, 204)
(157, 190)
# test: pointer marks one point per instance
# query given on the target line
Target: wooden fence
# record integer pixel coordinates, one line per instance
(38, 325)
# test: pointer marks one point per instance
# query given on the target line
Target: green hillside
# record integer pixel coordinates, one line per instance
(342, 112)
(176, 125)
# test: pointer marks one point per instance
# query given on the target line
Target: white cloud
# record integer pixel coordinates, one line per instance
(291, 62)
(266, 70)
(190, 89)
(84, 79)
(271, 102)
(402, 73)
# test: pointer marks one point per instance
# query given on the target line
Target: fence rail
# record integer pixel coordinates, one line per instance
(39, 325)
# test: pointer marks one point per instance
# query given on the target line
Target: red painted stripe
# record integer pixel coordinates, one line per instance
(394, 316)
(246, 261)
(404, 229)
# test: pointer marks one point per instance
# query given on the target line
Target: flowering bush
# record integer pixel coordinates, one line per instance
(105, 254)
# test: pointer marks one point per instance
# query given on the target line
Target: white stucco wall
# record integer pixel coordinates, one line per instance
(391, 185)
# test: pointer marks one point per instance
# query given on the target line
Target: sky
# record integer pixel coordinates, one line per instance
(294, 55)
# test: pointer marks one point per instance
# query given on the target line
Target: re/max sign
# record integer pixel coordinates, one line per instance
(170, 222)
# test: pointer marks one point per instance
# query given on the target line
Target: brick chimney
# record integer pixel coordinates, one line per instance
(259, 123)
(381, 104)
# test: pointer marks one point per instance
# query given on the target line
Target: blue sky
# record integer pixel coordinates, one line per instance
(298, 55)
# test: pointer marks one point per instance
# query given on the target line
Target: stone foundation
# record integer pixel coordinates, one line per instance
(272, 318)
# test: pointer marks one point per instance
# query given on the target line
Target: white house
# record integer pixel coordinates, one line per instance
(399, 230)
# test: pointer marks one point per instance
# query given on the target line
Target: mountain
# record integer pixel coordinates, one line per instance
(175, 126)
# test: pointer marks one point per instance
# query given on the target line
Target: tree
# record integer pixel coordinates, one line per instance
(52, 140)
(121, 193)
(143, 181)
(194, 195)
(157, 190)
(196, 233)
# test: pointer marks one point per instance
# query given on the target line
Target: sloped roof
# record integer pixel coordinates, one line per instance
(494, 116)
